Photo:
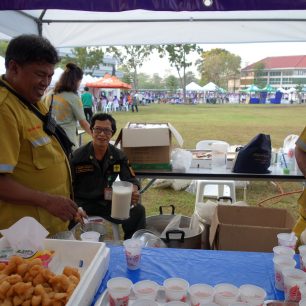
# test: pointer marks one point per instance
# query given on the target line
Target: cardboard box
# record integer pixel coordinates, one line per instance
(246, 228)
(148, 145)
(95, 258)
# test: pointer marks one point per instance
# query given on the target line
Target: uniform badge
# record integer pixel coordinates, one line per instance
(116, 168)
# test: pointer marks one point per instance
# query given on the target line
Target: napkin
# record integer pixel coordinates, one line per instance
(26, 234)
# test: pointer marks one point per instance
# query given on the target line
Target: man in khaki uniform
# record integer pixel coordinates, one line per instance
(34, 171)
(300, 155)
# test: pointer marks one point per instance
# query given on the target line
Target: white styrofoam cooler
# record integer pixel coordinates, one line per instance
(95, 261)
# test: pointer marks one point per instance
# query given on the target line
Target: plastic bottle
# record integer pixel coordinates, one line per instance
(291, 160)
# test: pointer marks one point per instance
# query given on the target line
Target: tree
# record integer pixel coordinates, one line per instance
(177, 55)
(258, 73)
(218, 66)
(85, 58)
(132, 57)
(3, 46)
(172, 83)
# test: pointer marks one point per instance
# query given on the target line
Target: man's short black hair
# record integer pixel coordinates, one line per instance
(103, 117)
(86, 88)
(26, 49)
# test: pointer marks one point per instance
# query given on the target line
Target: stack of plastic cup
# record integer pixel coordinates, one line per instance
(281, 262)
(302, 251)
(287, 239)
(283, 250)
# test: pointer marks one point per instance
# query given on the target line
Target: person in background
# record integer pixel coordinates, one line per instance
(34, 170)
(95, 166)
(67, 107)
(87, 101)
(135, 102)
(300, 155)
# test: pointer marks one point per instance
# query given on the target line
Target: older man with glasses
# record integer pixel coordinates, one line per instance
(95, 166)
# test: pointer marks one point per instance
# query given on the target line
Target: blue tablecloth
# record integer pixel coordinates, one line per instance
(197, 266)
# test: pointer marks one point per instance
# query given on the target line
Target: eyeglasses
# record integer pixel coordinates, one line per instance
(106, 131)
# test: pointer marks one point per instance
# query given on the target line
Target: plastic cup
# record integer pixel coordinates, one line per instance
(119, 289)
(226, 294)
(281, 262)
(303, 292)
(132, 249)
(90, 236)
(283, 250)
(176, 303)
(303, 262)
(302, 252)
(201, 293)
(218, 156)
(176, 289)
(66, 235)
(293, 280)
(252, 294)
(287, 239)
(302, 302)
(121, 200)
(144, 302)
(146, 289)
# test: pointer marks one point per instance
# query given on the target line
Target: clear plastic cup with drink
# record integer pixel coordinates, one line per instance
(201, 293)
(121, 200)
(302, 252)
(176, 289)
(119, 289)
(226, 294)
(281, 262)
(252, 294)
(146, 289)
(293, 280)
(132, 250)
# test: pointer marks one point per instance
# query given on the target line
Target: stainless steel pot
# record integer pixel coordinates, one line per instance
(174, 238)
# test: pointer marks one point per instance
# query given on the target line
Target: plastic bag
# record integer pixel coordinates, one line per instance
(205, 211)
(173, 224)
(181, 159)
(289, 143)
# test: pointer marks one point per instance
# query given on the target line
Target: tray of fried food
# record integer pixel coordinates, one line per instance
(29, 283)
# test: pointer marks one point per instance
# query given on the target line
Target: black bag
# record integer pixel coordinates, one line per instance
(255, 157)
(49, 124)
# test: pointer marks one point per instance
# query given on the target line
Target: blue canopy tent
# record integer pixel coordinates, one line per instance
(72, 23)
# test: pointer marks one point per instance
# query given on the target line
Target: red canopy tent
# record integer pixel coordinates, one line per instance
(109, 81)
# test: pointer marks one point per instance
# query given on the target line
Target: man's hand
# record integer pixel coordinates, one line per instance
(61, 207)
(135, 195)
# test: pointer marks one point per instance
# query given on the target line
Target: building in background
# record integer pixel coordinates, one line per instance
(280, 71)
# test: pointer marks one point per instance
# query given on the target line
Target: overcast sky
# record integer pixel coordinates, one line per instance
(249, 54)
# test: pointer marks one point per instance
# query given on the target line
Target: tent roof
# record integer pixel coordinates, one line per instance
(117, 22)
(193, 86)
(109, 81)
(210, 87)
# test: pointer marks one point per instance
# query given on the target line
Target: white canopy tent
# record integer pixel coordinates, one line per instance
(210, 87)
(72, 28)
(193, 86)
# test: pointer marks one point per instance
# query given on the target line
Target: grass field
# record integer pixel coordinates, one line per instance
(236, 124)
